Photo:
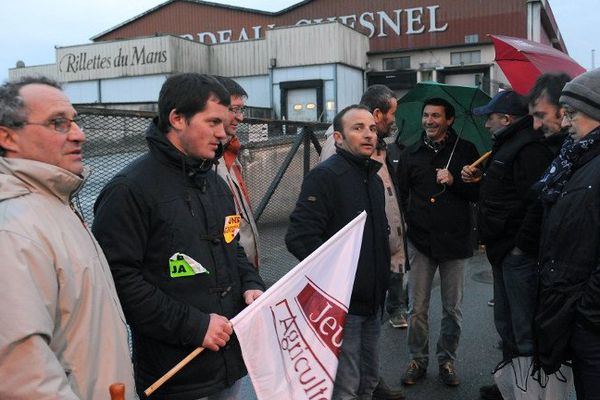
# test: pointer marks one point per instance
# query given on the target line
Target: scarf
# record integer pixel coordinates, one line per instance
(560, 170)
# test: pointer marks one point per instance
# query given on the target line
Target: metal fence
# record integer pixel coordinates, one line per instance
(275, 155)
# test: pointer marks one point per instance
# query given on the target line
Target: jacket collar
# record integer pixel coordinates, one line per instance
(19, 177)
(506, 133)
(164, 150)
(366, 163)
(420, 144)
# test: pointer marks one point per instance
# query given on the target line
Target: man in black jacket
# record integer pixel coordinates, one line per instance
(439, 230)
(567, 317)
(168, 227)
(332, 194)
(509, 219)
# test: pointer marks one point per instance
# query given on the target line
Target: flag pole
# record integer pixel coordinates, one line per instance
(152, 388)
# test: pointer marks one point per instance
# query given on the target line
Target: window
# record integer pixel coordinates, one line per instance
(465, 57)
(394, 63)
(474, 38)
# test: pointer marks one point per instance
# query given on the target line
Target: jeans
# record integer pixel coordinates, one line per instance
(396, 297)
(231, 393)
(358, 368)
(586, 363)
(515, 290)
(420, 279)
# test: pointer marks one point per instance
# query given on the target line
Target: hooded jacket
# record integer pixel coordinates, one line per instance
(161, 204)
(333, 193)
(62, 331)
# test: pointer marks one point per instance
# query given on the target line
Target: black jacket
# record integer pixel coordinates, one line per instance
(333, 194)
(569, 265)
(509, 213)
(440, 229)
(160, 204)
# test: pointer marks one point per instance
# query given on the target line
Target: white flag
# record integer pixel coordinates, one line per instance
(291, 335)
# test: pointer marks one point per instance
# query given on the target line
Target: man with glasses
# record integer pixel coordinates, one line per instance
(62, 331)
(567, 320)
(230, 169)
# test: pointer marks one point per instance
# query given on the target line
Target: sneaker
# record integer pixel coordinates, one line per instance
(491, 302)
(397, 320)
(413, 373)
(490, 392)
(448, 374)
(384, 392)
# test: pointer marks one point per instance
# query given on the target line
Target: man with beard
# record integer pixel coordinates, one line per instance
(545, 109)
(439, 231)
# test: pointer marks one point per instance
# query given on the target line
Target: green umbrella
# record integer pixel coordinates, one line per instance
(463, 98)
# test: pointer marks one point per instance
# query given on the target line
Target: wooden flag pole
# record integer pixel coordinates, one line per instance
(117, 391)
(152, 388)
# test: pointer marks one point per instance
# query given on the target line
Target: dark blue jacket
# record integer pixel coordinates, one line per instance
(333, 194)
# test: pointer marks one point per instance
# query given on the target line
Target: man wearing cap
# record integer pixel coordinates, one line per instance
(509, 219)
(567, 320)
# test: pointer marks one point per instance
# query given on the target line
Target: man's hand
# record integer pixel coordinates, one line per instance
(218, 333)
(251, 295)
(444, 177)
(470, 175)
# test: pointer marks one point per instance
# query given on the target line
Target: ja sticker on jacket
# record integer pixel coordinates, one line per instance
(232, 227)
(183, 265)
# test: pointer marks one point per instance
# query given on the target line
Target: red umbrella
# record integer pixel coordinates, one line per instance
(522, 61)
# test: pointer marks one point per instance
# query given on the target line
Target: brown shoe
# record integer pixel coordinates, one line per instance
(413, 373)
(448, 374)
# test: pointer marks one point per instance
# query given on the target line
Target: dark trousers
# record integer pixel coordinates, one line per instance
(397, 296)
(515, 283)
(586, 363)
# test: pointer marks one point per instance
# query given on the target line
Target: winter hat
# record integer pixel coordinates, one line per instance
(583, 94)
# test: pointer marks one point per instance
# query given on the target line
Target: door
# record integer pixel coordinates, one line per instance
(302, 104)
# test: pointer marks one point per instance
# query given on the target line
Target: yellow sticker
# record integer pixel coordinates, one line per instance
(232, 227)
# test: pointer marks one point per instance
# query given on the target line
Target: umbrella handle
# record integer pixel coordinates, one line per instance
(432, 198)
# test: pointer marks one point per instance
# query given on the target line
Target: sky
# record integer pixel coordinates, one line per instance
(30, 29)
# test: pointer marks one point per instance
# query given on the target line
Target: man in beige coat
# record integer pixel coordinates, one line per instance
(230, 169)
(62, 330)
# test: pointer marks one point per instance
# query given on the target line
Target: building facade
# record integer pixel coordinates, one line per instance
(305, 62)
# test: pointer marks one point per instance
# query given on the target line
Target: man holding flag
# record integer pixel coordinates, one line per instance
(332, 194)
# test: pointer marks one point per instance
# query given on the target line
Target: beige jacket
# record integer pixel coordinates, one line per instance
(248, 231)
(62, 330)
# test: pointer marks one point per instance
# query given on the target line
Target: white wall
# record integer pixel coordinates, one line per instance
(133, 89)
(349, 87)
(257, 88)
(84, 92)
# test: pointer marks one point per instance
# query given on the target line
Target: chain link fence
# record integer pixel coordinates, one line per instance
(274, 156)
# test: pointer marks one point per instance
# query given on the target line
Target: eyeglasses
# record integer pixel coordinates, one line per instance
(60, 124)
(239, 110)
(569, 113)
